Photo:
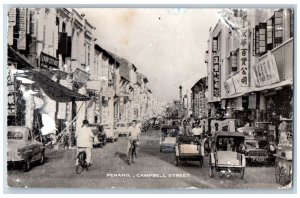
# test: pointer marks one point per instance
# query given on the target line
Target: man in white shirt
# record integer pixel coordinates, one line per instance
(134, 134)
(85, 137)
(197, 130)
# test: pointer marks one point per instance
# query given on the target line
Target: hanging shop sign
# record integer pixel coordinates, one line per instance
(265, 72)
(80, 76)
(108, 92)
(252, 101)
(216, 76)
(48, 61)
(21, 44)
(62, 110)
(237, 103)
(11, 94)
(229, 87)
(244, 57)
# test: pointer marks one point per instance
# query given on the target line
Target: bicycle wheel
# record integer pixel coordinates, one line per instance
(129, 156)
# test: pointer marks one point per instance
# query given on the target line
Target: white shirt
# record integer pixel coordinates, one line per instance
(135, 132)
(84, 137)
(197, 131)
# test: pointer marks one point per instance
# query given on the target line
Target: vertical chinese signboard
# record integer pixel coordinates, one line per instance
(22, 21)
(216, 76)
(244, 59)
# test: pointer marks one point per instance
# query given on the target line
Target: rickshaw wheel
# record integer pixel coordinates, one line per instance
(211, 171)
(26, 166)
(176, 160)
(242, 174)
(277, 173)
(78, 169)
(283, 176)
(201, 161)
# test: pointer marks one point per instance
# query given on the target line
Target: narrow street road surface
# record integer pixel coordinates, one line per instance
(151, 170)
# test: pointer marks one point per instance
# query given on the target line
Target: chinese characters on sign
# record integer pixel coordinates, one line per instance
(80, 77)
(216, 77)
(11, 94)
(265, 72)
(244, 61)
(48, 61)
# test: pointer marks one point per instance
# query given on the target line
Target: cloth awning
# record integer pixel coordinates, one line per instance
(288, 82)
(56, 91)
(20, 59)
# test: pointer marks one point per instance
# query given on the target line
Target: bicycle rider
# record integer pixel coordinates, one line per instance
(134, 135)
(85, 137)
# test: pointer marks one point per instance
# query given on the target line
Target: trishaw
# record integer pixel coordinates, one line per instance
(189, 148)
(226, 156)
(283, 167)
(168, 138)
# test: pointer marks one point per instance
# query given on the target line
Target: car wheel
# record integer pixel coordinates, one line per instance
(242, 174)
(42, 160)
(201, 161)
(26, 165)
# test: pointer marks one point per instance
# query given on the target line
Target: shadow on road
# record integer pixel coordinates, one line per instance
(122, 156)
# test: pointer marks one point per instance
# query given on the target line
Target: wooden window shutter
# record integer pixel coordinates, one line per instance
(215, 44)
(262, 38)
(278, 28)
(270, 34)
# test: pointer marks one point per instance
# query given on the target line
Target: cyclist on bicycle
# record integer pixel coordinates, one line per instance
(85, 137)
(134, 135)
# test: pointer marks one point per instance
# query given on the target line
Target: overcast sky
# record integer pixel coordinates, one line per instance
(166, 45)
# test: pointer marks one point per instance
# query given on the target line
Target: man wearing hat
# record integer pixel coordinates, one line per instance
(85, 139)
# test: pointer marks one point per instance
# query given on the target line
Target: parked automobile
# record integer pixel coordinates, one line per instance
(259, 146)
(189, 148)
(100, 135)
(226, 156)
(111, 133)
(253, 153)
(168, 138)
(23, 148)
(122, 129)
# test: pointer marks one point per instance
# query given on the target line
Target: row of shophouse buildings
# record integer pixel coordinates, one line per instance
(57, 68)
(250, 61)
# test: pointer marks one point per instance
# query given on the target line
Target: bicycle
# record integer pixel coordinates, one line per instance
(82, 164)
(132, 151)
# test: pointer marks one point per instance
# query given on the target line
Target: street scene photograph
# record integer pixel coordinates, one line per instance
(149, 98)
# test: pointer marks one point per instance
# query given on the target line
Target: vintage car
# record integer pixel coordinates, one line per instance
(259, 150)
(111, 133)
(226, 156)
(168, 138)
(189, 148)
(100, 135)
(23, 148)
(122, 129)
(263, 142)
